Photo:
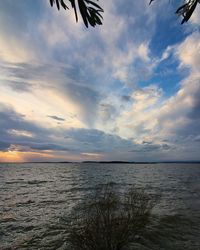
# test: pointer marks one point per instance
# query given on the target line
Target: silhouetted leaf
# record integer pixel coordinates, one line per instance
(181, 8)
(186, 10)
(151, 2)
(96, 5)
(89, 10)
(51, 2)
(83, 11)
(58, 5)
(189, 12)
(74, 7)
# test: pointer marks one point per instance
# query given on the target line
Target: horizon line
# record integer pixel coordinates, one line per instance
(104, 162)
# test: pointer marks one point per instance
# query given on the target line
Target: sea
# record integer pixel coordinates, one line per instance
(37, 200)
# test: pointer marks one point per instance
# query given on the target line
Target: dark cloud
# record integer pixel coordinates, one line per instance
(195, 112)
(166, 147)
(126, 98)
(183, 134)
(107, 112)
(47, 146)
(197, 138)
(86, 97)
(26, 72)
(93, 140)
(19, 86)
(56, 118)
(68, 84)
(147, 142)
(78, 140)
(75, 140)
(4, 146)
(150, 147)
(13, 121)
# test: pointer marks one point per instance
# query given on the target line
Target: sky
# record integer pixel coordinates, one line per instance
(127, 90)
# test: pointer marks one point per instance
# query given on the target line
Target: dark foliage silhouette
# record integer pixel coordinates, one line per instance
(110, 220)
(91, 12)
(186, 10)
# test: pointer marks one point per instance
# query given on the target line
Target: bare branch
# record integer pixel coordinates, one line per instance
(110, 220)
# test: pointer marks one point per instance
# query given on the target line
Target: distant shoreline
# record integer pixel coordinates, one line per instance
(105, 162)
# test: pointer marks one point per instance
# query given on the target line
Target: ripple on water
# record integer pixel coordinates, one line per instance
(37, 200)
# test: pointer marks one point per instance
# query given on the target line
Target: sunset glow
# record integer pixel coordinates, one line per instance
(126, 90)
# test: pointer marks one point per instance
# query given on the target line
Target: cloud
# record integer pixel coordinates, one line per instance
(138, 120)
(56, 65)
(86, 98)
(21, 135)
(15, 23)
(195, 18)
(95, 140)
(107, 112)
(100, 92)
(175, 119)
(47, 146)
(19, 86)
(4, 146)
(14, 127)
(188, 52)
(126, 98)
(56, 118)
(151, 148)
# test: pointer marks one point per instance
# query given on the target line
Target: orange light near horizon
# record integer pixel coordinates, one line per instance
(16, 156)
(10, 156)
(46, 155)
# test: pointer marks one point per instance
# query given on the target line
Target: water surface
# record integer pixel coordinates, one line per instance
(36, 201)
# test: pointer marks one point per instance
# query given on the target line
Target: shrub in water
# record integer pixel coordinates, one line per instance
(110, 220)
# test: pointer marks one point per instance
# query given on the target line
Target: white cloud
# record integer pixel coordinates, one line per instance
(188, 52)
(143, 52)
(195, 18)
(140, 119)
(153, 118)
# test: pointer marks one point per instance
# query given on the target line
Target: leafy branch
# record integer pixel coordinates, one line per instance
(186, 10)
(89, 10)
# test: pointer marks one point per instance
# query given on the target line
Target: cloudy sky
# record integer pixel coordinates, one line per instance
(127, 90)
